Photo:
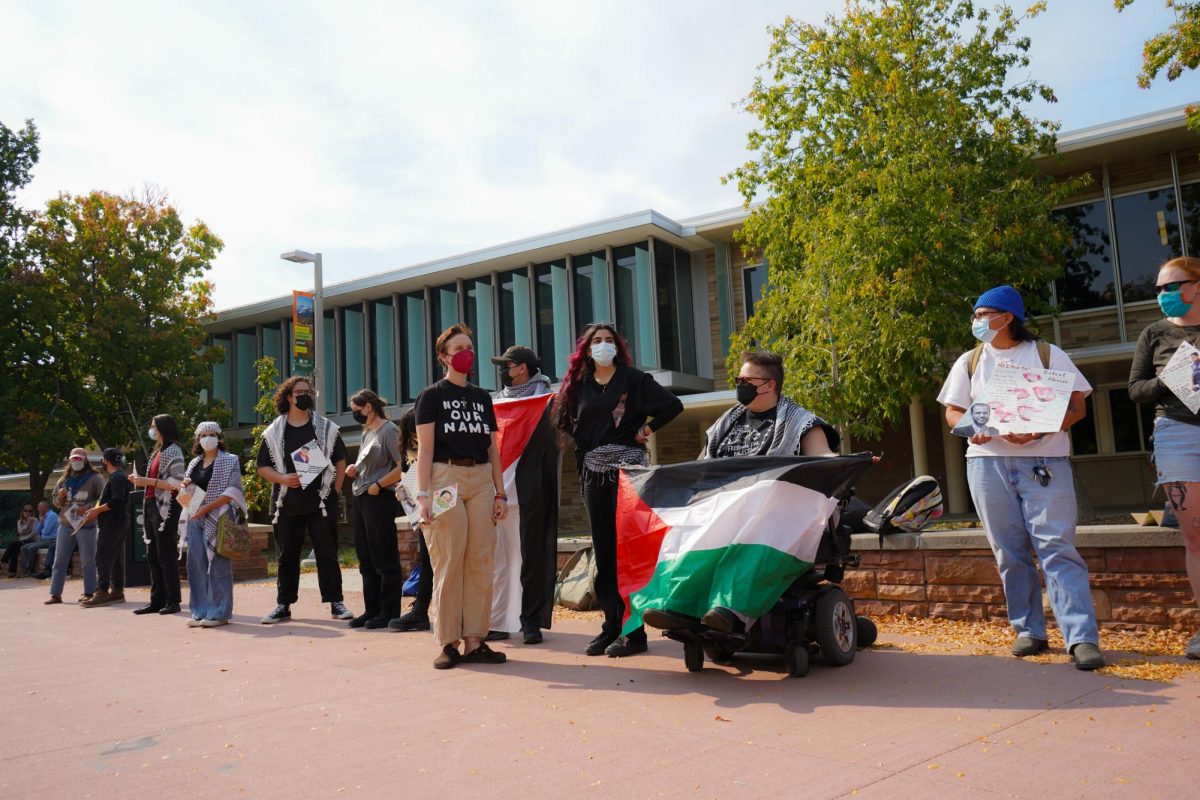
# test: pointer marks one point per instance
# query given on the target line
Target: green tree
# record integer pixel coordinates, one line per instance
(1176, 49)
(121, 301)
(896, 158)
(266, 378)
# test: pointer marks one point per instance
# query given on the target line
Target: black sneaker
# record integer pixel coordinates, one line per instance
(497, 636)
(1029, 646)
(376, 622)
(483, 655)
(597, 646)
(447, 658)
(338, 610)
(360, 620)
(626, 646)
(412, 621)
(280, 614)
(533, 636)
(723, 620)
(668, 620)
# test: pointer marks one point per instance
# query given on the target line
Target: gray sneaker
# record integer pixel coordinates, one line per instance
(1029, 646)
(1193, 648)
(339, 611)
(1087, 656)
(280, 614)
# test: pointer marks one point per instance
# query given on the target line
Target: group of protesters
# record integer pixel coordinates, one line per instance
(1021, 485)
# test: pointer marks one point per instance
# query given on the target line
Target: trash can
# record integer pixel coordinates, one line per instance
(137, 569)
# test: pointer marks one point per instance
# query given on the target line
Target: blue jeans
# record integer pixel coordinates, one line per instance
(211, 590)
(1019, 513)
(86, 541)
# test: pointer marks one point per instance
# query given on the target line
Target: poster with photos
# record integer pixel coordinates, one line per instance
(1182, 375)
(1027, 399)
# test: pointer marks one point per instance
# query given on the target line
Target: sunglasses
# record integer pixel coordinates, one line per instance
(740, 381)
(1171, 286)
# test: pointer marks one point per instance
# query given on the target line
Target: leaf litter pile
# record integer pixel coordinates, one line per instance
(1151, 655)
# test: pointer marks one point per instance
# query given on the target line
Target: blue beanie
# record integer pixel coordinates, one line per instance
(1003, 298)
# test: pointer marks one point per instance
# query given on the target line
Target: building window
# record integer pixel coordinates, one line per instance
(329, 369)
(1088, 278)
(222, 372)
(383, 350)
(754, 281)
(1132, 423)
(1147, 235)
(444, 307)
(590, 274)
(247, 390)
(1191, 216)
(272, 345)
(635, 316)
(516, 315)
(480, 318)
(415, 346)
(1083, 433)
(353, 373)
(676, 329)
(554, 338)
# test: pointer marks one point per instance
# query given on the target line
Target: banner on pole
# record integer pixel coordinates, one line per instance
(303, 325)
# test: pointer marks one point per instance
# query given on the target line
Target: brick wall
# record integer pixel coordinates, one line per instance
(1137, 575)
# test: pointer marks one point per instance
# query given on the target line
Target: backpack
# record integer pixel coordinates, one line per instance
(1043, 348)
(576, 586)
(911, 506)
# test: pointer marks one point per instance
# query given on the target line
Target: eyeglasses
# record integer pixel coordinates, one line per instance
(301, 392)
(986, 314)
(740, 381)
(1170, 286)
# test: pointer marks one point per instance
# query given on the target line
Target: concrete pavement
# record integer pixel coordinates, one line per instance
(108, 705)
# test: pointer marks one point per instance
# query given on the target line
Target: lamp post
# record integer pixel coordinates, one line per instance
(304, 257)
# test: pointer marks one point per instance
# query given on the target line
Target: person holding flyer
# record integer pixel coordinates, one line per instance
(1023, 488)
(77, 491)
(303, 455)
(1176, 424)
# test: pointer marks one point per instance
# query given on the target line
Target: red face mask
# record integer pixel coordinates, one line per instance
(462, 361)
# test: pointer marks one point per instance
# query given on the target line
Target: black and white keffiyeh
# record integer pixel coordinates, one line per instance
(792, 421)
(327, 433)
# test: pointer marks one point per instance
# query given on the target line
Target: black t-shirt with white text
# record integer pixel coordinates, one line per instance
(463, 419)
(307, 500)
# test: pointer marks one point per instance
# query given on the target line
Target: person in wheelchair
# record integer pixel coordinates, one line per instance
(763, 423)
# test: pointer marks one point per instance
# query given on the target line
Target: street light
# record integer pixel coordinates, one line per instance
(304, 257)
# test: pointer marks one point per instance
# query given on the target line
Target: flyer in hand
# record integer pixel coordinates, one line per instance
(1182, 375)
(1026, 399)
(444, 498)
(309, 463)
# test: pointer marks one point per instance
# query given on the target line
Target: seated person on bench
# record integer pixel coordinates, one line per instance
(763, 423)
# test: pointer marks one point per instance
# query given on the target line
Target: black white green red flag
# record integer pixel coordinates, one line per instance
(731, 532)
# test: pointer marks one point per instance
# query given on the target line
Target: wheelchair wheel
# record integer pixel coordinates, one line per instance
(836, 632)
(693, 656)
(798, 659)
(866, 630)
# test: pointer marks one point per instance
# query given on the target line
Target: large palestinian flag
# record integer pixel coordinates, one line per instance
(732, 532)
(529, 459)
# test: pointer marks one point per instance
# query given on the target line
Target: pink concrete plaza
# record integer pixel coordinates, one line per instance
(104, 704)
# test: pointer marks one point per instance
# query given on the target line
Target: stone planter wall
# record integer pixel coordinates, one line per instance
(1137, 576)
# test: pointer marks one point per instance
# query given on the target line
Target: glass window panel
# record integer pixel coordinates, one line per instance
(416, 347)
(383, 350)
(1088, 278)
(222, 372)
(554, 338)
(272, 339)
(329, 373)
(1191, 217)
(445, 307)
(247, 392)
(1127, 435)
(668, 322)
(754, 280)
(683, 307)
(590, 273)
(481, 319)
(516, 326)
(353, 374)
(1083, 433)
(1147, 235)
(635, 318)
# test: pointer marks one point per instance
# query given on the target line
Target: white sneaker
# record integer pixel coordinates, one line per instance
(193, 622)
(213, 623)
(1193, 648)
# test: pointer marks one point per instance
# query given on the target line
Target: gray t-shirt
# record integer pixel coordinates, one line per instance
(378, 455)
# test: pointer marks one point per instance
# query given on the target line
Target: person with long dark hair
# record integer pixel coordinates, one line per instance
(77, 491)
(609, 408)
(374, 511)
(457, 447)
(1022, 486)
(161, 512)
(1176, 426)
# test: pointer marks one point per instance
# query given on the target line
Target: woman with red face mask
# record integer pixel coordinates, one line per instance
(458, 462)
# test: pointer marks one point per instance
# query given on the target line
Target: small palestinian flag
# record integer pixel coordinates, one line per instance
(731, 532)
(529, 461)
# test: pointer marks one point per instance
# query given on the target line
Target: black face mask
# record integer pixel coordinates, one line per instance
(505, 378)
(303, 402)
(359, 417)
(746, 392)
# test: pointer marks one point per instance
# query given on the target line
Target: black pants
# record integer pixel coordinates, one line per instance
(424, 577)
(289, 538)
(539, 561)
(162, 555)
(110, 555)
(600, 500)
(378, 555)
(10, 556)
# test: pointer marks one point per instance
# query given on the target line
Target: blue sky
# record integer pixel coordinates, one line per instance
(386, 134)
